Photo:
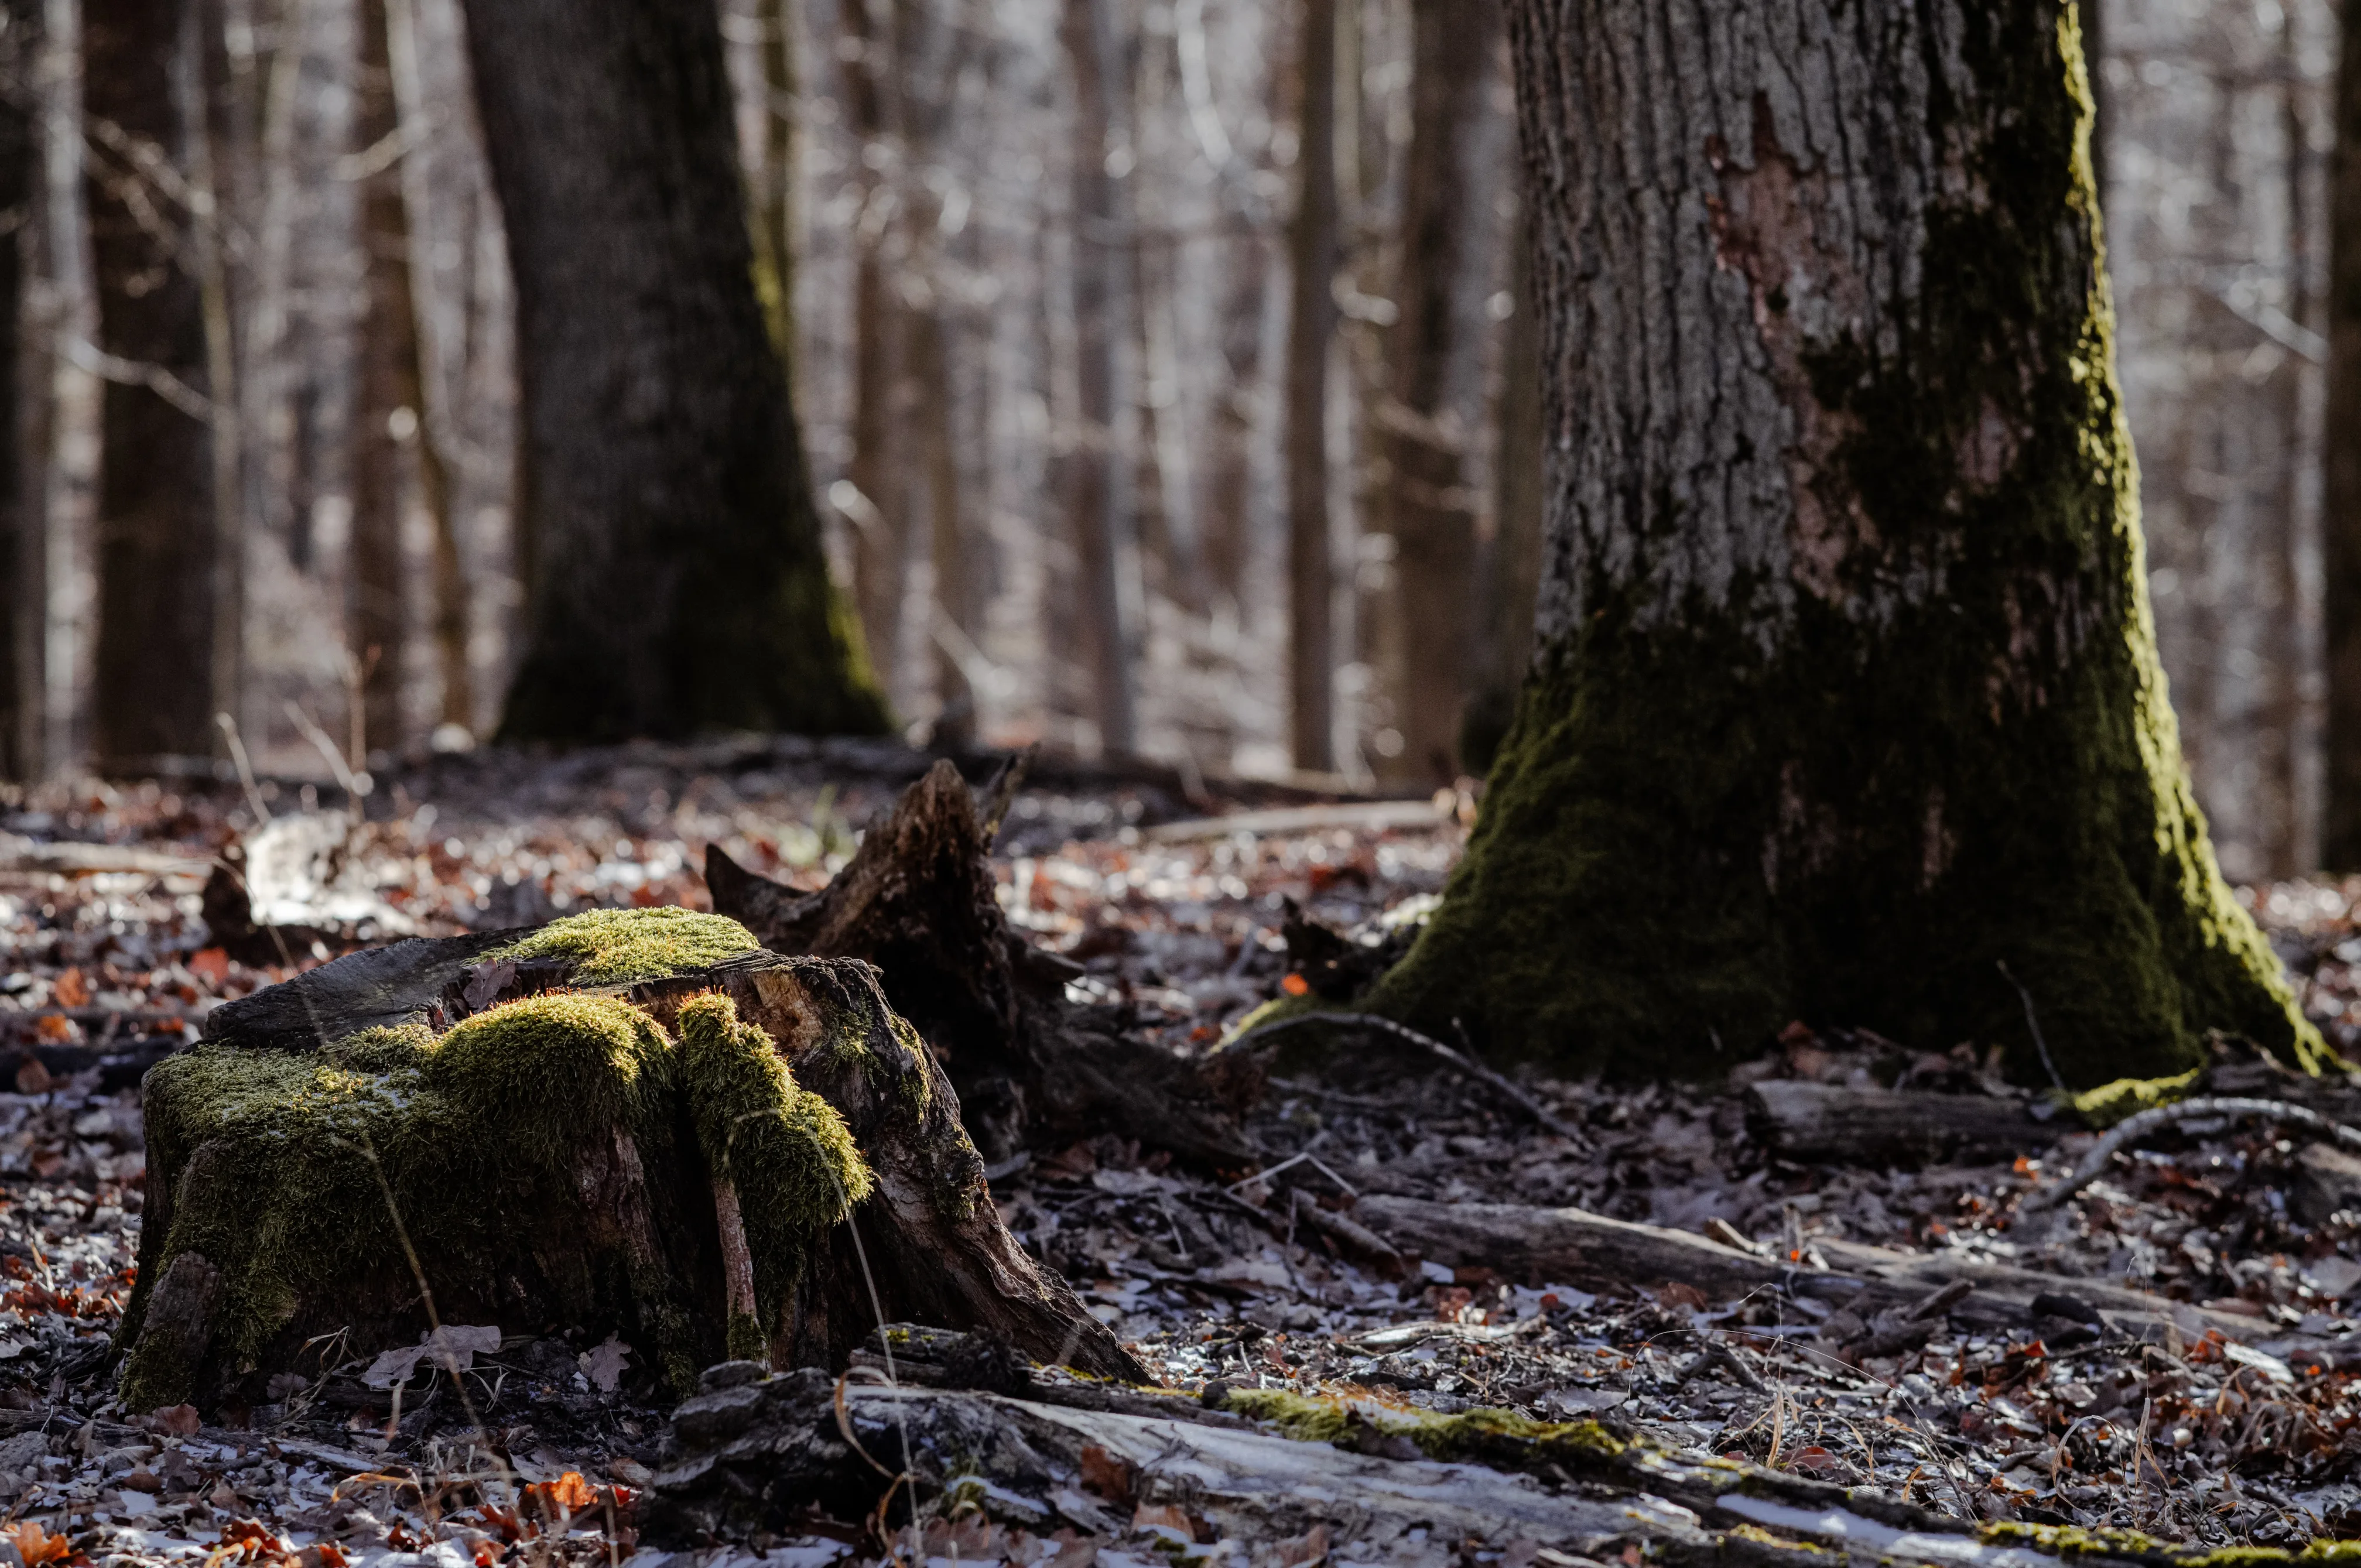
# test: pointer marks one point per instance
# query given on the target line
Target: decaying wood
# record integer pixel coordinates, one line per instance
(292, 884)
(1570, 1246)
(927, 1243)
(750, 1455)
(1802, 1121)
(917, 900)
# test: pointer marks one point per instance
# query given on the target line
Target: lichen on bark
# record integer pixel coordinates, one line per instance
(1847, 692)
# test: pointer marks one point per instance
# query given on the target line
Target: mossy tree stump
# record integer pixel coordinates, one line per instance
(1846, 691)
(630, 1122)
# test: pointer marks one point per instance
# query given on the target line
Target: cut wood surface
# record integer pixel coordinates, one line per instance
(1803, 1120)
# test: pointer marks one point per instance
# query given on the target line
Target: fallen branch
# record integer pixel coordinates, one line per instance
(1800, 1121)
(1507, 1091)
(2133, 1129)
(753, 1456)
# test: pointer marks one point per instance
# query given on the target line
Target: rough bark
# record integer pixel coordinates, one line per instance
(1802, 1121)
(1848, 688)
(288, 1215)
(153, 691)
(1432, 352)
(675, 576)
(919, 901)
(1313, 248)
(20, 608)
(1102, 524)
(2341, 464)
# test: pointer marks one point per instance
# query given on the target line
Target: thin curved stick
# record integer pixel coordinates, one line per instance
(1434, 1048)
(2132, 1129)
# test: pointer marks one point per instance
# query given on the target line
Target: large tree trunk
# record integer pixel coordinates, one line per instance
(1848, 691)
(678, 1152)
(153, 691)
(1434, 365)
(2341, 488)
(1312, 248)
(674, 576)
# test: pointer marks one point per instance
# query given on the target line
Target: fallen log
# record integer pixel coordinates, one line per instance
(293, 884)
(1570, 1246)
(630, 1122)
(1802, 1121)
(1355, 1478)
(919, 901)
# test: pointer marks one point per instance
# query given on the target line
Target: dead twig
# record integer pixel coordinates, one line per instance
(1547, 1119)
(2133, 1129)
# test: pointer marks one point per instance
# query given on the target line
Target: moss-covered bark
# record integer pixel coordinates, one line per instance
(1848, 690)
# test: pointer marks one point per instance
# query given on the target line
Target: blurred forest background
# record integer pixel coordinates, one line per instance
(1141, 325)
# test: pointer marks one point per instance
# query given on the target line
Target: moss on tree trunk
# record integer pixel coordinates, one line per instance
(1847, 690)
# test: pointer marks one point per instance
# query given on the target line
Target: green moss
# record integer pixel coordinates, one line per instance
(785, 1149)
(2110, 1102)
(476, 1134)
(619, 946)
(1697, 831)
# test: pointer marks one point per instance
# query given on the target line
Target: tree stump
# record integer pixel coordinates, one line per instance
(919, 901)
(633, 1122)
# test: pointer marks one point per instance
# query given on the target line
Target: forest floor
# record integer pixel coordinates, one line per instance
(2197, 1436)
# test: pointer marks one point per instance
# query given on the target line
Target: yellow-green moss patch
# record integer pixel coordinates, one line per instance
(1469, 1435)
(2110, 1102)
(619, 946)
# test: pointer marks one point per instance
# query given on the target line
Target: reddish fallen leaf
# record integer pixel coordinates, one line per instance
(567, 1495)
(210, 965)
(1296, 985)
(178, 1420)
(323, 1555)
(71, 989)
(37, 1545)
(1108, 1474)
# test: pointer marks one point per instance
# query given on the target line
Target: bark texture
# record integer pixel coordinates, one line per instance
(451, 1131)
(2341, 489)
(674, 576)
(1312, 245)
(1434, 352)
(153, 688)
(919, 901)
(1847, 689)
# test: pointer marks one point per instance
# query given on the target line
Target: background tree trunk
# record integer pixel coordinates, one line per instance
(154, 693)
(2341, 489)
(1312, 247)
(20, 603)
(1102, 524)
(1432, 351)
(1848, 679)
(672, 560)
(1509, 567)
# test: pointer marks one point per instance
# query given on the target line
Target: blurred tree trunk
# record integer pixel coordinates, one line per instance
(773, 197)
(1229, 478)
(673, 563)
(1312, 250)
(2341, 489)
(880, 541)
(1100, 520)
(1509, 564)
(1446, 267)
(153, 693)
(1848, 693)
(2278, 810)
(20, 576)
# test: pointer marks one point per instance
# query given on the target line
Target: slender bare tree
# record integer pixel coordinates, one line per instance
(1313, 252)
